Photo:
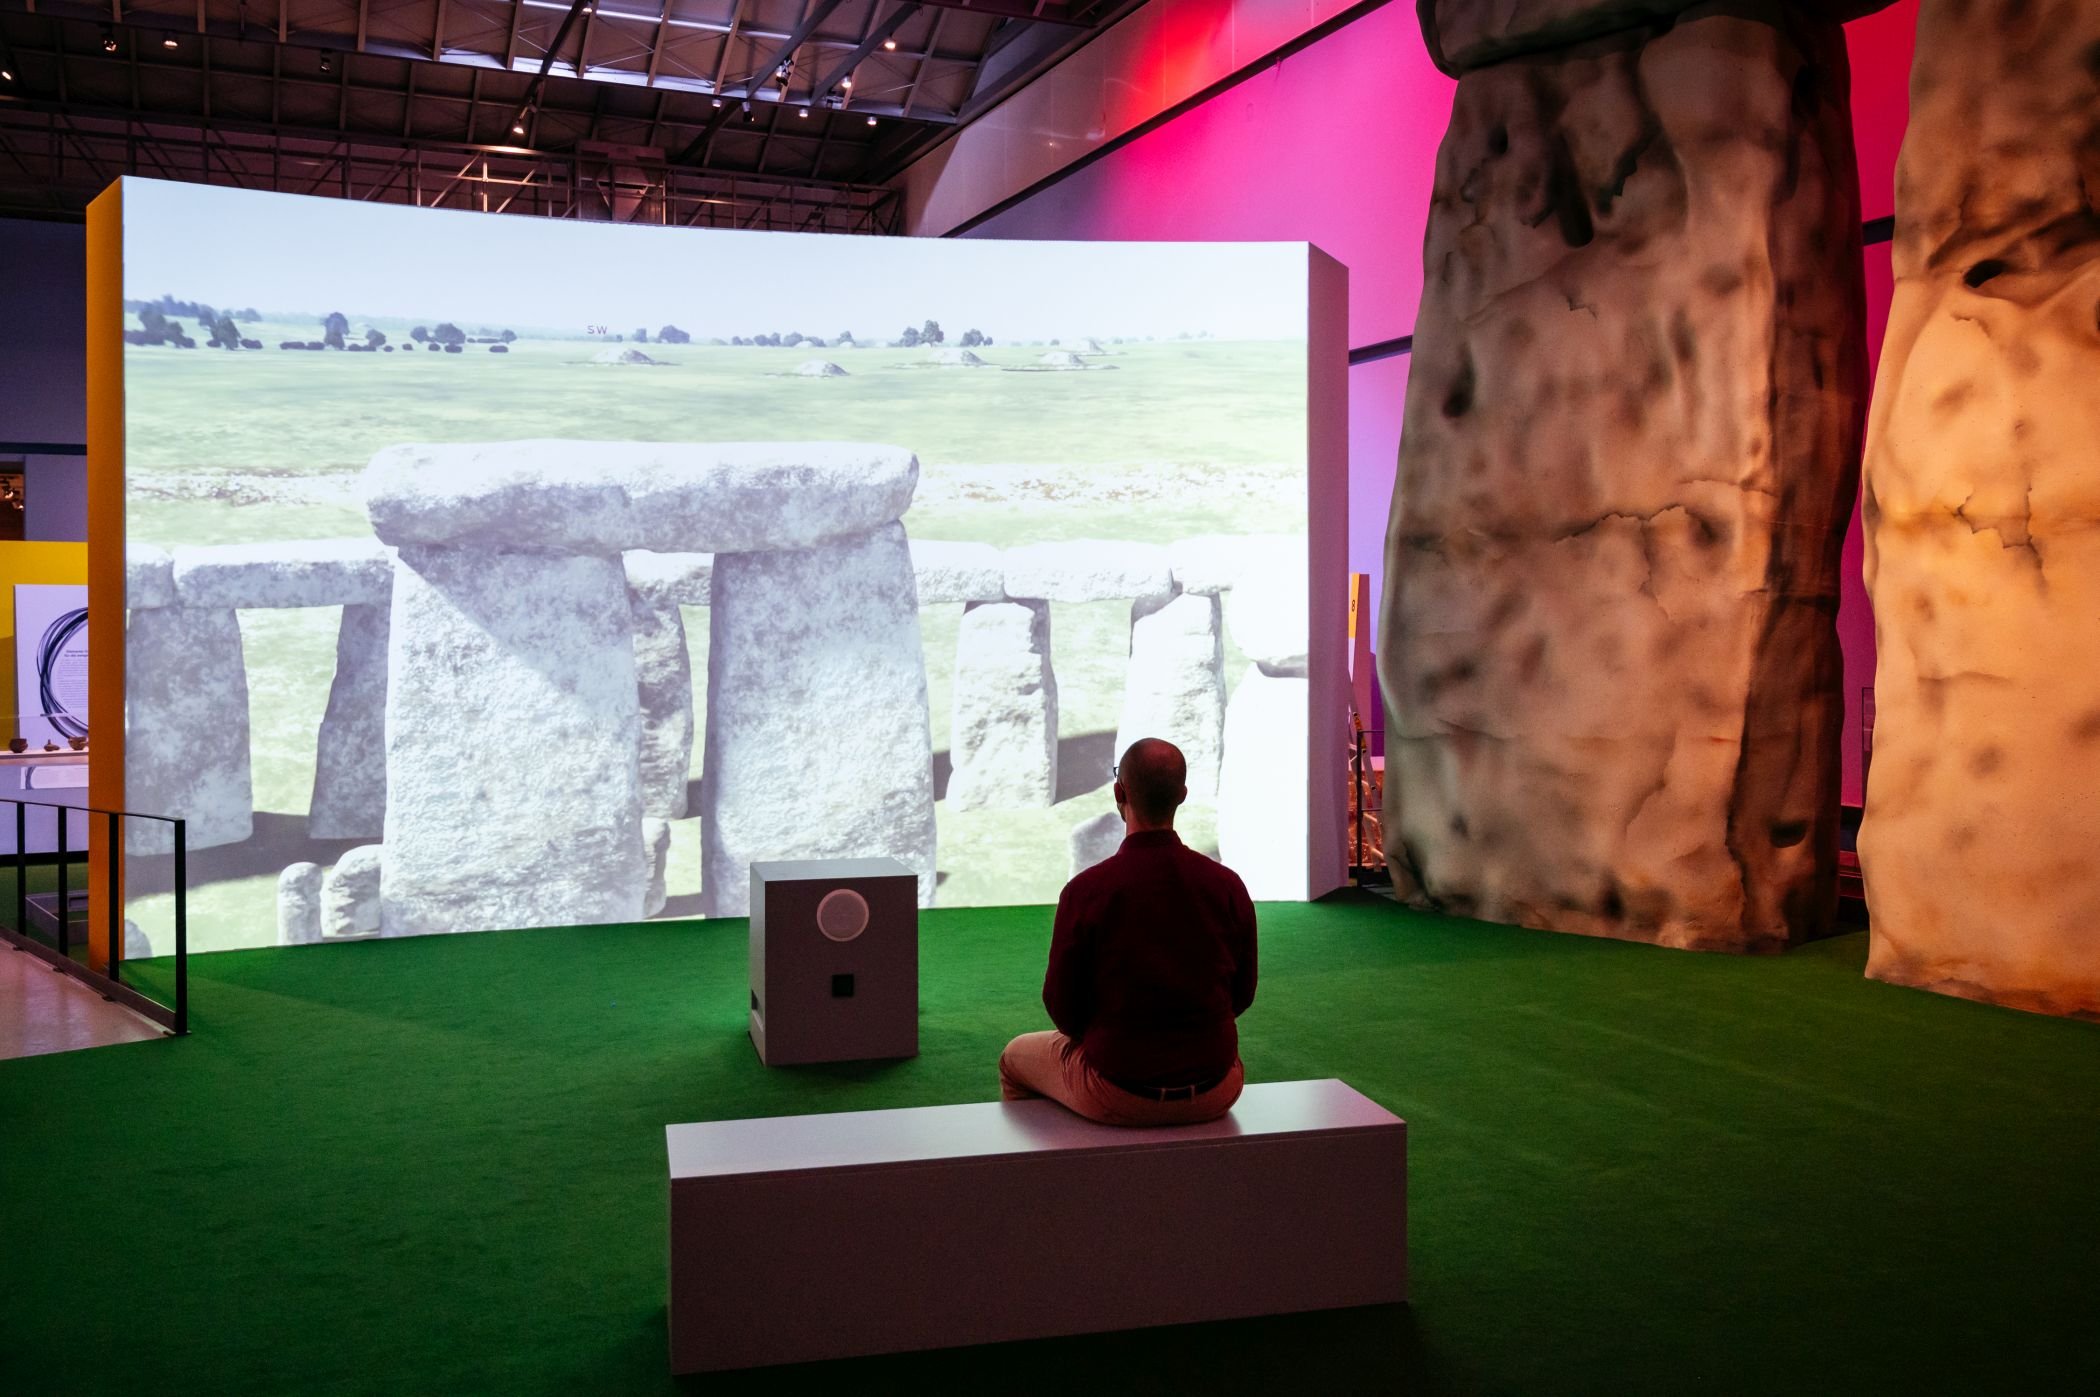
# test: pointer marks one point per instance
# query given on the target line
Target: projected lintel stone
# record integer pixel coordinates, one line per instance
(514, 736)
(609, 496)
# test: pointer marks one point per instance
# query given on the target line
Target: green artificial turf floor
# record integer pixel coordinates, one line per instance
(436, 1166)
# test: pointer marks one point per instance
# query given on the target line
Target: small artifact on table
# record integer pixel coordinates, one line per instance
(78, 744)
(18, 744)
(49, 745)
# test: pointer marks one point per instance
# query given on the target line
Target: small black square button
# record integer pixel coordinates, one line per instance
(842, 987)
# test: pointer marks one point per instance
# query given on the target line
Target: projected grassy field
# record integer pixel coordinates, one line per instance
(1150, 442)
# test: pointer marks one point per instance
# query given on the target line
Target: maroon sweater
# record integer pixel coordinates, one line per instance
(1151, 960)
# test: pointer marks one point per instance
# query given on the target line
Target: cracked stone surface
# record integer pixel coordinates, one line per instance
(818, 741)
(349, 800)
(186, 728)
(1174, 686)
(603, 497)
(512, 727)
(1983, 521)
(1002, 744)
(1631, 443)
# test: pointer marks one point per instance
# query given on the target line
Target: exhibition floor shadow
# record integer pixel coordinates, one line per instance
(437, 1166)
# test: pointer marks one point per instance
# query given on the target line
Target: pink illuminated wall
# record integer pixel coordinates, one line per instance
(1336, 145)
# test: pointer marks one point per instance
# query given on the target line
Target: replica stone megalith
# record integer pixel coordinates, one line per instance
(1982, 514)
(1630, 451)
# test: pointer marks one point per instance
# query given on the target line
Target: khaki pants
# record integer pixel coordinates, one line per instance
(1050, 1064)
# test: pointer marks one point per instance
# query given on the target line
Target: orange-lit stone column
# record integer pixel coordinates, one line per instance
(1981, 847)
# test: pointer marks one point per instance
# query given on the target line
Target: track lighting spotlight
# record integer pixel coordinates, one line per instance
(871, 121)
(889, 45)
(7, 75)
(717, 104)
(327, 64)
(109, 41)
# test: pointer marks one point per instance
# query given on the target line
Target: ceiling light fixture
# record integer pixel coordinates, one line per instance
(7, 75)
(847, 83)
(871, 121)
(517, 128)
(890, 45)
(327, 64)
(718, 104)
(109, 41)
(802, 112)
(168, 42)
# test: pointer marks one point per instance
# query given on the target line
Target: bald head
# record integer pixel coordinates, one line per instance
(1152, 779)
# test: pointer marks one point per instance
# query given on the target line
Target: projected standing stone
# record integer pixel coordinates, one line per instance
(1002, 730)
(1630, 444)
(1261, 781)
(664, 683)
(658, 585)
(1174, 687)
(818, 743)
(513, 795)
(299, 904)
(350, 894)
(186, 728)
(1983, 521)
(349, 800)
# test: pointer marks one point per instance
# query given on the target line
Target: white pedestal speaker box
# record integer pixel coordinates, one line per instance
(834, 960)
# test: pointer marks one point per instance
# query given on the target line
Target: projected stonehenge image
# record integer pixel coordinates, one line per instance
(437, 642)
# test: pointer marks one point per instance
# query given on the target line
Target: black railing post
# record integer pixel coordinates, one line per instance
(21, 868)
(115, 899)
(65, 929)
(182, 929)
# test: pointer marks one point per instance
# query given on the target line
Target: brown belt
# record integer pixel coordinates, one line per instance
(1165, 1094)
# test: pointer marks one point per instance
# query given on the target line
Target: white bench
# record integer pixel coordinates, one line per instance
(809, 1237)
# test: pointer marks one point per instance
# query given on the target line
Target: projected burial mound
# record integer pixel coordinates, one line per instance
(514, 783)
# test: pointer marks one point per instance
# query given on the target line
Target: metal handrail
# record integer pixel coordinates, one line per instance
(175, 1017)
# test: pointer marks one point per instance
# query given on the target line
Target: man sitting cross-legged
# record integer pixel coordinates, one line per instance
(1151, 961)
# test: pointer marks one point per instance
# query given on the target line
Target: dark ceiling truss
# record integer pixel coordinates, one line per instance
(838, 92)
(71, 158)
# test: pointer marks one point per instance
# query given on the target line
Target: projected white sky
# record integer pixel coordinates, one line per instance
(302, 256)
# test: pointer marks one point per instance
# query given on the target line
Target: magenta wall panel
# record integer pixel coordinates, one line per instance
(1880, 47)
(1335, 145)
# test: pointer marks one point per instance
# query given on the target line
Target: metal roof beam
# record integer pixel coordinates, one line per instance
(871, 41)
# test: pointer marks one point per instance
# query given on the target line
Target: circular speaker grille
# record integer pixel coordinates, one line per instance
(843, 914)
